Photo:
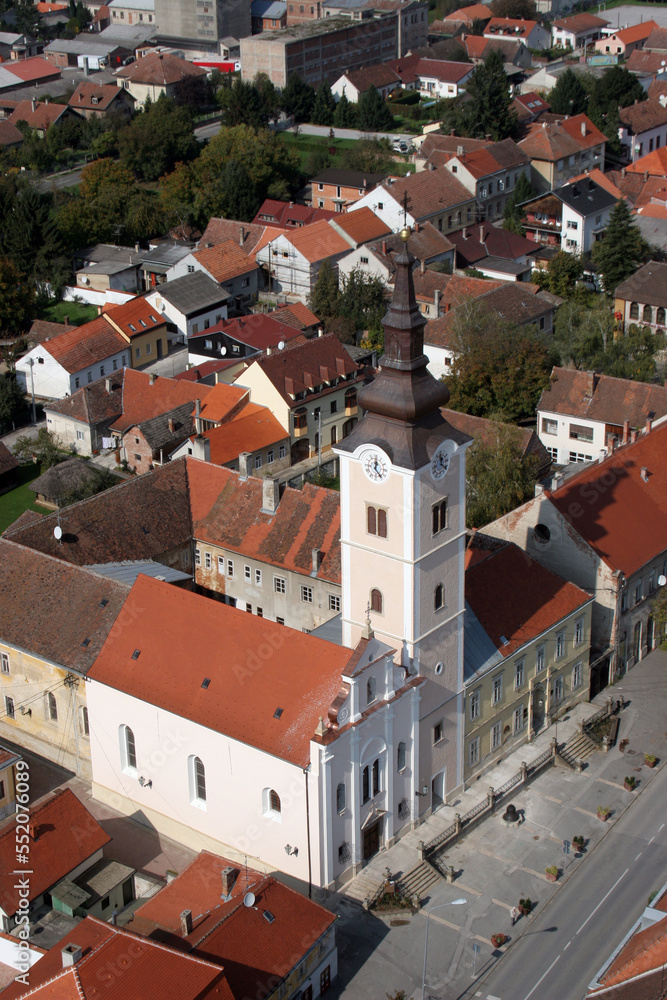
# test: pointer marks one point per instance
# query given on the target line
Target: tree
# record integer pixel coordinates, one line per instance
(372, 156)
(616, 88)
(622, 250)
(28, 20)
(98, 480)
(514, 215)
(569, 96)
(324, 106)
(362, 301)
(500, 369)
(373, 115)
(17, 299)
(345, 115)
(268, 95)
(242, 104)
(499, 477)
(98, 176)
(659, 612)
(29, 236)
(562, 274)
(45, 446)
(297, 99)
(12, 400)
(516, 9)
(158, 139)
(193, 92)
(324, 298)
(488, 108)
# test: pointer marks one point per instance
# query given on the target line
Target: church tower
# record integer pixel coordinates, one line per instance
(402, 478)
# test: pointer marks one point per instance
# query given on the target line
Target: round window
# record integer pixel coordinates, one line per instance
(438, 668)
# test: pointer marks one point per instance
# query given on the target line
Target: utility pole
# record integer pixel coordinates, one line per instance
(32, 387)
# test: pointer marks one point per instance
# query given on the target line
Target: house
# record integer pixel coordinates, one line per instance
(490, 175)
(487, 431)
(210, 372)
(93, 101)
(624, 42)
(158, 260)
(605, 530)
(155, 74)
(58, 367)
(577, 31)
(533, 34)
(513, 50)
(132, 12)
(44, 656)
(573, 217)
(643, 128)
(335, 189)
(354, 83)
(237, 340)
(41, 115)
(145, 396)
(15, 48)
(55, 486)
(31, 72)
(461, 19)
(10, 136)
(433, 196)
(427, 244)
(582, 410)
(246, 234)
(190, 304)
(311, 389)
(88, 49)
(642, 298)
(529, 107)
(8, 469)
(264, 567)
(152, 441)
(297, 315)
(440, 79)
(301, 958)
(267, 15)
(103, 890)
(143, 328)
(561, 150)
(9, 772)
(286, 215)
(497, 253)
(247, 441)
(294, 258)
(527, 650)
(359, 227)
(103, 267)
(437, 148)
(228, 265)
(54, 853)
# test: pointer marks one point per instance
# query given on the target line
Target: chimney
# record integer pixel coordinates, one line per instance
(201, 448)
(633, 437)
(71, 954)
(644, 474)
(623, 172)
(645, 176)
(592, 385)
(137, 248)
(241, 236)
(186, 922)
(481, 234)
(32, 830)
(197, 407)
(416, 227)
(649, 425)
(228, 878)
(33, 103)
(452, 131)
(422, 268)
(626, 431)
(556, 481)
(316, 556)
(320, 331)
(66, 320)
(465, 232)
(384, 247)
(244, 464)
(436, 300)
(171, 424)
(151, 378)
(583, 128)
(270, 495)
(107, 385)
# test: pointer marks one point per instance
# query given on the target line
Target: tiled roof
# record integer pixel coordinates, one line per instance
(167, 430)
(347, 178)
(296, 314)
(642, 61)
(142, 518)
(529, 105)
(580, 22)
(141, 969)
(200, 372)
(645, 952)
(454, 288)
(42, 329)
(178, 627)
(553, 141)
(33, 70)
(516, 598)
(603, 398)
(135, 317)
(288, 215)
(475, 11)
(71, 609)
(602, 180)
(517, 304)
(42, 117)
(317, 241)
(361, 226)
(428, 192)
(146, 395)
(245, 234)
(303, 366)
(93, 404)
(647, 285)
(441, 69)
(254, 428)
(85, 345)
(227, 512)
(91, 97)
(160, 69)
(643, 116)
(654, 163)
(657, 40)
(7, 461)
(518, 27)
(225, 260)
(621, 517)
(55, 849)
(60, 479)
(450, 144)
(487, 432)
(27, 517)
(192, 293)
(426, 243)
(373, 76)
(8, 757)
(222, 402)
(476, 242)
(257, 330)
(9, 134)
(635, 32)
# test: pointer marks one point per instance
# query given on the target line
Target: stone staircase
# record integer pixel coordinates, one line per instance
(364, 886)
(577, 748)
(418, 881)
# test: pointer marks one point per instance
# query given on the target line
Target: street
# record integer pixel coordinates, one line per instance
(212, 128)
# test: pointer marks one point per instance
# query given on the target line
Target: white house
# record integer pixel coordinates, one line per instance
(643, 128)
(586, 210)
(190, 304)
(294, 258)
(368, 261)
(531, 33)
(58, 367)
(440, 78)
(577, 31)
(227, 265)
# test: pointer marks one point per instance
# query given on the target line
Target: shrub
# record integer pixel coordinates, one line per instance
(498, 940)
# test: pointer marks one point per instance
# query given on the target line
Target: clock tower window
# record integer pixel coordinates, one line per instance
(376, 521)
(440, 516)
(377, 603)
(439, 597)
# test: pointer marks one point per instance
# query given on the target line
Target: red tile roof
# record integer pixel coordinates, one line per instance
(118, 964)
(487, 431)
(288, 215)
(222, 402)
(143, 399)
(517, 27)
(92, 97)
(253, 429)
(224, 261)
(601, 397)
(428, 192)
(9, 134)
(516, 598)
(257, 330)
(580, 22)
(33, 70)
(318, 241)
(160, 69)
(178, 627)
(655, 163)
(475, 11)
(635, 32)
(602, 180)
(296, 314)
(645, 952)
(42, 117)
(85, 345)
(8, 757)
(200, 372)
(362, 225)
(555, 140)
(245, 234)
(443, 70)
(54, 849)
(305, 365)
(7, 461)
(134, 318)
(621, 517)
(476, 242)
(641, 117)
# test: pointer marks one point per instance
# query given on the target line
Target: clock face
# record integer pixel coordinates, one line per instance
(376, 467)
(440, 463)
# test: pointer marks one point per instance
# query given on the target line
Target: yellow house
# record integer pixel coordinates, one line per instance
(143, 327)
(8, 761)
(54, 619)
(527, 650)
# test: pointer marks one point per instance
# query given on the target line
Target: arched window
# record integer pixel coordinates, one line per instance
(197, 774)
(634, 310)
(376, 601)
(400, 757)
(274, 801)
(647, 314)
(660, 316)
(382, 523)
(271, 805)
(340, 797)
(370, 690)
(439, 599)
(128, 749)
(51, 707)
(370, 780)
(371, 520)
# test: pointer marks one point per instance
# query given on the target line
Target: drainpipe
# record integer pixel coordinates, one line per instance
(310, 862)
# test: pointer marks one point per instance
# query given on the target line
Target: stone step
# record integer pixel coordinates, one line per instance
(578, 747)
(362, 887)
(418, 881)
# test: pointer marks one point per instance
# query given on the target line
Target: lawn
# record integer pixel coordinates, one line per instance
(76, 313)
(307, 144)
(21, 498)
(622, 3)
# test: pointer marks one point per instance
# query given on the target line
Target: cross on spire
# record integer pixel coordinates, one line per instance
(406, 202)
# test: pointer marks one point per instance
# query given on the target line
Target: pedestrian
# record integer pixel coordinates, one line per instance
(514, 913)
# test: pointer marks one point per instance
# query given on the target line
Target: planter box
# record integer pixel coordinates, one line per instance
(628, 787)
(551, 878)
(603, 816)
(650, 763)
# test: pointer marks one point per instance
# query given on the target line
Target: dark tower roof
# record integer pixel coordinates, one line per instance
(403, 403)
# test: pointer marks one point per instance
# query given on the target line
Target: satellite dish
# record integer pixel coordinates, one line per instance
(281, 345)
(249, 899)
(662, 579)
(223, 350)
(57, 532)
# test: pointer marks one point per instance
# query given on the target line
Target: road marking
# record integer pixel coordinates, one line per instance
(651, 840)
(638, 856)
(602, 900)
(660, 827)
(567, 945)
(528, 995)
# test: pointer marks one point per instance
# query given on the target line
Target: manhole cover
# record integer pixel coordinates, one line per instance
(536, 838)
(398, 923)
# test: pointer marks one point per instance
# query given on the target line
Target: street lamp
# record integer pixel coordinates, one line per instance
(318, 413)
(454, 902)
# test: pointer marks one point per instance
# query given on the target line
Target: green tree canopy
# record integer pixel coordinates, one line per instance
(325, 296)
(373, 115)
(514, 215)
(12, 401)
(562, 274)
(297, 99)
(324, 106)
(17, 299)
(45, 446)
(158, 139)
(487, 109)
(499, 477)
(242, 104)
(345, 115)
(569, 96)
(622, 250)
